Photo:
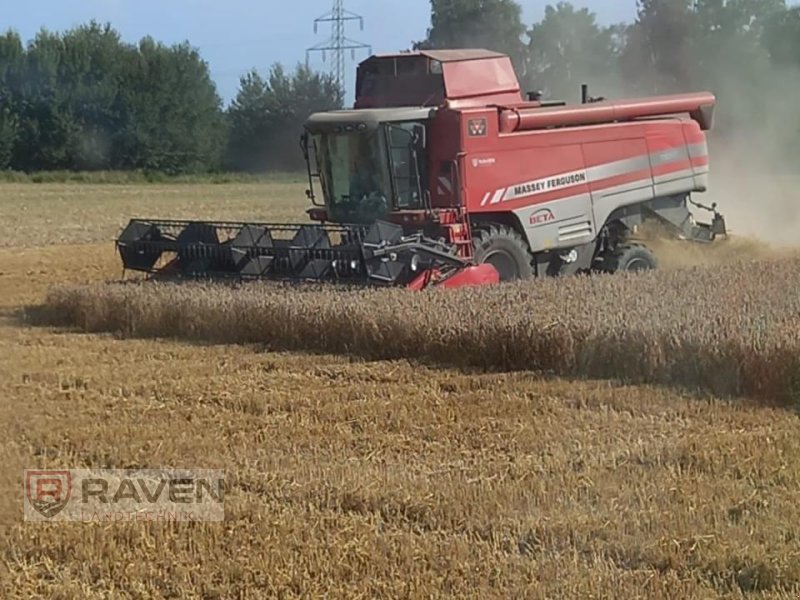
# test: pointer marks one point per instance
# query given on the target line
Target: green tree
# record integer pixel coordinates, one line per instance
(88, 85)
(250, 124)
(85, 100)
(171, 112)
(492, 24)
(9, 126)
(781, 37)
(568, 48)
(731, 48)
(678, 43)
(11, 56)
(659, 54)
(266, 117)
(45, 125)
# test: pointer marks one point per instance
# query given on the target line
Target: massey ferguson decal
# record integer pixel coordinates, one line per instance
(542, 216)
(537, 186)
(549, 184)
(476, 127)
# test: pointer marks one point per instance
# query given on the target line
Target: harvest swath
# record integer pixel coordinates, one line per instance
(389, 477)
(743, 339)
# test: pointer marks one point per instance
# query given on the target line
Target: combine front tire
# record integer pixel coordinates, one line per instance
(505, 250)
(629, 258)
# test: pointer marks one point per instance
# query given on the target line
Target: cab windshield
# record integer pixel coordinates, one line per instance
(367, 174)
(354, 174)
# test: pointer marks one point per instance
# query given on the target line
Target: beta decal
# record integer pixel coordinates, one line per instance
(542, 216)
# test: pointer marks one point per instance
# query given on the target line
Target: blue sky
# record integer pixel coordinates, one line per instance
(237, 35)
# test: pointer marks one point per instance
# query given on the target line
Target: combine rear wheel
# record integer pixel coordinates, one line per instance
(505, 250)
(629, 258)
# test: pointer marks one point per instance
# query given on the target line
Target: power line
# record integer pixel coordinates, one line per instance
(338, 43)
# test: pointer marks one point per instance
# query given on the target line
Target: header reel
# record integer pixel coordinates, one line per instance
(379, 254)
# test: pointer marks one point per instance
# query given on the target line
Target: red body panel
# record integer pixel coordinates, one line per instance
(437, 77)
(595, 156)
(471, 276)
(490, 152)
(504, 172)
(481, 83)
(556, 173)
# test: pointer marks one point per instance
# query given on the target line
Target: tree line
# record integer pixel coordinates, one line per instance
(85, 100)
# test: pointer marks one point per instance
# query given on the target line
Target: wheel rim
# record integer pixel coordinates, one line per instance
(504, 263)
(637, 264)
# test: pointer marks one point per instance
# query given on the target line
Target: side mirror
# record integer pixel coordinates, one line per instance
(304, 144)
(420, 137)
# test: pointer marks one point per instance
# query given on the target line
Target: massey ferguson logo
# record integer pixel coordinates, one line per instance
(540, 217)
(476, 127)
(48, 491)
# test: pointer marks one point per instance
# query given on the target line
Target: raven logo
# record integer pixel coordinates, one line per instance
(48, 491)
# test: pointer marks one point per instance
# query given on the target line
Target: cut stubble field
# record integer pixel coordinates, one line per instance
(361, 474)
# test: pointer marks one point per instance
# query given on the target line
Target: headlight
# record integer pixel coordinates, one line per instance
(570, 257)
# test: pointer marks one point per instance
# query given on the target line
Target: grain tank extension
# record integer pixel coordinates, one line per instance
(443, 174)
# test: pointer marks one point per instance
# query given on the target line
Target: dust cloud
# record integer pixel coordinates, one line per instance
(759, 200)
(672, 253)
(754, 150)
(755, 165)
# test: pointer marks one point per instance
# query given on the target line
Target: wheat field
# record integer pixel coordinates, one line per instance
(380, 461)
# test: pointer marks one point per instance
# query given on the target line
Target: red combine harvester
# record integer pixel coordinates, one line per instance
(443, 174)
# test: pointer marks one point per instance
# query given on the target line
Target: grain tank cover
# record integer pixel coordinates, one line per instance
(433, 77)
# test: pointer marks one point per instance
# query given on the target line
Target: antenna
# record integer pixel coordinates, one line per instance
(338, 43)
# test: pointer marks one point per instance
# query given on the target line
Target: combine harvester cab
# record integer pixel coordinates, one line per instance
(443, 174)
